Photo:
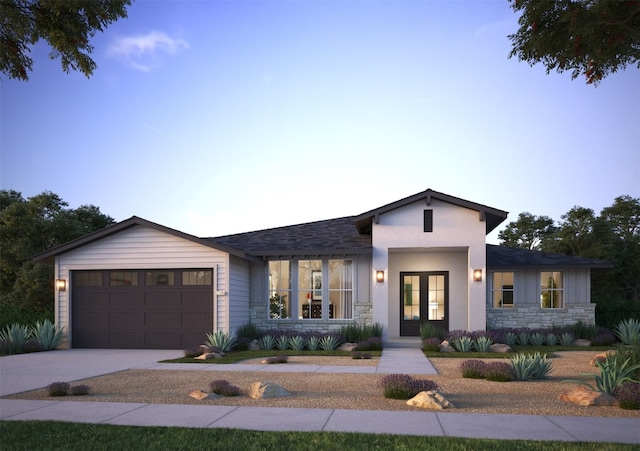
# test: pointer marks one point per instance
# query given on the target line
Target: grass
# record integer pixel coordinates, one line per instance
(50, 435)
(237, 356)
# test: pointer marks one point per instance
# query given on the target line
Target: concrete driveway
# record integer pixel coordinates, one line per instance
(24, 372)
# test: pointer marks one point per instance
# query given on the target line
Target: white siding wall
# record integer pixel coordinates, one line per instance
(239, 294)
(454, 229)
(140, 248)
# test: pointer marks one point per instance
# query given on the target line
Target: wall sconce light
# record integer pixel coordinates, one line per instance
(477, 275)
(61, 285)
(379, 276)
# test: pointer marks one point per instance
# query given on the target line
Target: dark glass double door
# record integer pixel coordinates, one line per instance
(424, 297)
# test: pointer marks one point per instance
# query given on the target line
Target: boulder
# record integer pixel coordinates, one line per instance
(254, 345)
(585, 397)
(446, 347)
(581, 342)
(430, 400)
(267, 390)
(348, 347)
(200, 395)
(500, 347)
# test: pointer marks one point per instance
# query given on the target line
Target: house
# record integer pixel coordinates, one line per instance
(138, 284)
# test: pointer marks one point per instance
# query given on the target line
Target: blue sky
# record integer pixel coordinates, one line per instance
(217, 117)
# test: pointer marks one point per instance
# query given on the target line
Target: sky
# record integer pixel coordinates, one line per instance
(220, 117)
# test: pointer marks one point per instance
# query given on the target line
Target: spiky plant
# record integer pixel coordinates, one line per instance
(482, 344)
(267, 342)
(628, 330)
(46, 335)
(222, 340)
(14, 337)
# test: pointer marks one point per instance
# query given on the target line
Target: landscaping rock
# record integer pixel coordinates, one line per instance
(267, 390)
(200, 395)
(500, 347)
(254, 345)
(430, 400)
(348, 347)
(446, 347)
(585, 397)
(581, 342)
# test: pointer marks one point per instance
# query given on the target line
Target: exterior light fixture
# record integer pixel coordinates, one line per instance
(61, 285)
(477, 275)
(379, 276)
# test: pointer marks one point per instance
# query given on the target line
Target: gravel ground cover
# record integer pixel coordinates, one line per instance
(350, 391)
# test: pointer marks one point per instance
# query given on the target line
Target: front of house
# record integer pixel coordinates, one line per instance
(424, 258)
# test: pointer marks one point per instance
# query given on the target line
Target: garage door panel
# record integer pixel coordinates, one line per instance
(139, 316)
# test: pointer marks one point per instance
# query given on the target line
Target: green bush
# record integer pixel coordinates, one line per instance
(403, 386)
(59, 389)
(428, 330)
(354, 333)
(431, 344)
(224, 388)
(498, 372)
(628, 394)
(586, 331)
(10, 314)
(249, 331)
(473, 369)
(80, 390)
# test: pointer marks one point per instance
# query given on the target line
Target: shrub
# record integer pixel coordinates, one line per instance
(566, 339)
(192, 352)
(354, 333)
(297, 343)
(221, 339)
(431, 344)
(282, 343)
(47, 335)
(604, 338)
(510, 338)
(428, 330)
(14, 337)
(612, 374)
(356, 355)
(473, 369)
(628, 394)
(482, 344)
(370, 344)
(527, 366)
(523, 338)
(80, 390)
(313, 343)
(58, 389)
(403, 386)
(628, 330)
(498, 371)
(537, 339)
(462, 344)
(224, 388)
(242, 343)
(248, 330)
(551, 339)
(583, 330)
(329, 343)
(267, 342)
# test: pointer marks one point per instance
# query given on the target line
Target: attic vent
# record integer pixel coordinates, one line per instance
(428, 220)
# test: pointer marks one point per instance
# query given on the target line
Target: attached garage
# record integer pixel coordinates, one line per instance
(141, 309)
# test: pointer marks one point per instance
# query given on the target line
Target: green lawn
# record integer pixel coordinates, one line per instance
(236, 356)
(50, 435)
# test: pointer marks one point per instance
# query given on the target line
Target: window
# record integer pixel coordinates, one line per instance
(428, 220)
(87, 279)
(551, 289)
(279, 289)
(196, 278)
(341, 289)
(310, 289)
(160, 278)
(123, 279)
(502, 290)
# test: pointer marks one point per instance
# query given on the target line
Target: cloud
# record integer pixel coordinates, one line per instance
(144, 52)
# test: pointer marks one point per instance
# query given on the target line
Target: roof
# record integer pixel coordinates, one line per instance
(492, 216)
(330, 237)
(499, 257)
(49, 256)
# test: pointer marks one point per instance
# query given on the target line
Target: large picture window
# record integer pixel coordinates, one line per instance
(551, 289)
(341, 289)
(279, 289)
(310, 289)
(502, 289)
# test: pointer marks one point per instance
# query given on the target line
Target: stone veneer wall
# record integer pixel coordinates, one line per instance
(362, 314)
(535, 317)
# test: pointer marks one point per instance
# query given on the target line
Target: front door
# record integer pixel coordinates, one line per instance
(424, 297)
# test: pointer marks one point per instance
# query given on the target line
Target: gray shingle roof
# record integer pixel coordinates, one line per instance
(509, 257)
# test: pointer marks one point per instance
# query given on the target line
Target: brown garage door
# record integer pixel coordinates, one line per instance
(141, 309)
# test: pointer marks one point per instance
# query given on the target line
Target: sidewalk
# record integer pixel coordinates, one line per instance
(73, 365)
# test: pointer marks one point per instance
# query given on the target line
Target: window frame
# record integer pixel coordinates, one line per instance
(502, 290)
(552, 290)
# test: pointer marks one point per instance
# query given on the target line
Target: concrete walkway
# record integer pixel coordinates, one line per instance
(30, 371)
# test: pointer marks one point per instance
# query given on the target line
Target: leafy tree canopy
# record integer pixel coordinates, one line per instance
(528, 231)
(32, 226)
(592, 38)
(66, 25)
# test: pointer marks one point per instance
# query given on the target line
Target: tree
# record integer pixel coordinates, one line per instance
(527, 232)
(589, 37)
(65, 25)
(575, 234)
(28, 227)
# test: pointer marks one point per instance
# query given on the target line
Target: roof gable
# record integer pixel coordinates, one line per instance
(49, 256)
(491, 216)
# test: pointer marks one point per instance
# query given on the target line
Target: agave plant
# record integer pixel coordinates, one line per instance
(282, 343)
(537, 339)
(267, 342)
(297, 343)
(527, 366)
(552, 339)
(510, 338)
(612, 374)
(523, 338)
(628, 330)
(222, 340)
(47, 335)
(313, 343)
(566, 339)
(13, 338)
(482, 344)
(462, 344)
(329, 343)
